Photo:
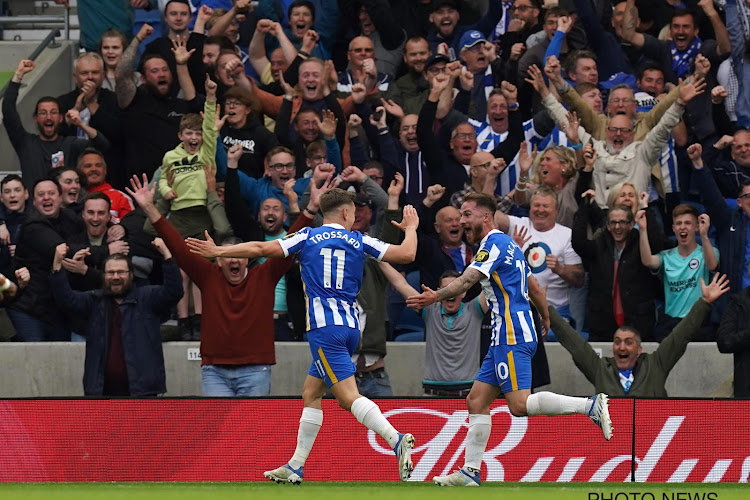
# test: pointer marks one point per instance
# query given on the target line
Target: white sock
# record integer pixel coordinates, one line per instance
(549, 403)
(476, 440)
(309, 425)
(369, 415)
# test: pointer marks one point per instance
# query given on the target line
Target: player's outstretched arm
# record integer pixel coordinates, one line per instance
(248, 250)
(407, 250)
(456, 287)
(539, 299)
(397, 280)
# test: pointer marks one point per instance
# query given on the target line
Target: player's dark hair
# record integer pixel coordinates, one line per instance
(482, 200)
(335, 198)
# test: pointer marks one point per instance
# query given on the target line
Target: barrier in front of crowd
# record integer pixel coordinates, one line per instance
(236, 440)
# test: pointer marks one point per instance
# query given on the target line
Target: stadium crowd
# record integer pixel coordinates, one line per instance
(612, 134)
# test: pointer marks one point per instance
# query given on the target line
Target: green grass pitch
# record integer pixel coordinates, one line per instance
(374, 491)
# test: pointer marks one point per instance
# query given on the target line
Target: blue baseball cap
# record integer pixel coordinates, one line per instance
(471, 38)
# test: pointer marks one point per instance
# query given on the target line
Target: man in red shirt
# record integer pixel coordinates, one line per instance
(93, 168)
(237, 327)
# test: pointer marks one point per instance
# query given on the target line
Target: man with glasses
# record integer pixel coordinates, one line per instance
(361, 68)
(123, 350)
(622, 290)
(279, 176)
(38, 153)
(620, 156)
(243, 126)
(525, 22)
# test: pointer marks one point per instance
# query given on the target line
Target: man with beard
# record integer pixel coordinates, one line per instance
(237, 342)
(38, 153)
(443, 250)
(97, 107)
(35, 315)
(151, 117)
(445, 28)
(123, 351)
(412, 84)
(509, 286)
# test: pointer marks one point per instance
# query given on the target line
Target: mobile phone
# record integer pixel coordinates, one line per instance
(377, 115)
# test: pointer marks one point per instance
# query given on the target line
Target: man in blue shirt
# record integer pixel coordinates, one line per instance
(331, 260)
(508, 285)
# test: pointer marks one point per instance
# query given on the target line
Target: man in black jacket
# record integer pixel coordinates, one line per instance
(34, 315)
(123, 351)
(38, 153)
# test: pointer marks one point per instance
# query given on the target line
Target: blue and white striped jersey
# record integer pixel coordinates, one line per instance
(506, 287)
(331, 262)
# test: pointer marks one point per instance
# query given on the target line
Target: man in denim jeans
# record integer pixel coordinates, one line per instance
(237, 334)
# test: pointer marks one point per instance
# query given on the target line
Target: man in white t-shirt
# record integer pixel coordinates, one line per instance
(548, 249)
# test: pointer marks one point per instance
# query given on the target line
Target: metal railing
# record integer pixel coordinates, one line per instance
(57, 21)
(49, 40)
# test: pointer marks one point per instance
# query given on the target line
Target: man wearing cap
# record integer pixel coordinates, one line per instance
(435, 65)
(446, 28)
(480, 59)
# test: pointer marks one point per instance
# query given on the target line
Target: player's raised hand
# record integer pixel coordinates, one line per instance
(718, 286)
(207, 249)
(424, 299)
(409, 221)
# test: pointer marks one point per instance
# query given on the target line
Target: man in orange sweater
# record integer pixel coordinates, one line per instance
(237, 330)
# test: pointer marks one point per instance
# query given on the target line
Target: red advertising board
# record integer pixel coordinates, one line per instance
(236, 440)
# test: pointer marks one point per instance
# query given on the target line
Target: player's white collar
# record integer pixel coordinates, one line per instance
(488, 235)
(335, 226)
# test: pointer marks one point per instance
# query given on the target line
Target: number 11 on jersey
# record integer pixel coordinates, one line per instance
(328, 256)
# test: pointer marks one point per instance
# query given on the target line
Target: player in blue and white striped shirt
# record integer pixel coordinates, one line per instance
(508, 284)
(331, 259)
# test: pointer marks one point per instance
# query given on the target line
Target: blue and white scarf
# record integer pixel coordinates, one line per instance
(626, 379)
(681, 60)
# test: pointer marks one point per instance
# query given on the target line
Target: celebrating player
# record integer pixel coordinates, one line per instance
(508, 284)
(331, 260)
